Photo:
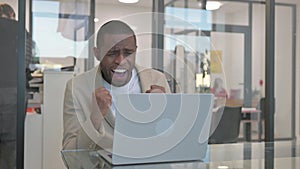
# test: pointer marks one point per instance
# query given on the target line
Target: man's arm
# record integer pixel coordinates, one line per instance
(104, 101)
(73, 136)
(77, 123)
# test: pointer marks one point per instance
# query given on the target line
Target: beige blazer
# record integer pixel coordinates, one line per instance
(79, 102)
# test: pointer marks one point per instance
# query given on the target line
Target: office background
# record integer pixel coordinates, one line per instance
(232, 25)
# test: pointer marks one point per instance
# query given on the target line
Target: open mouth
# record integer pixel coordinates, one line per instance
(119, 73)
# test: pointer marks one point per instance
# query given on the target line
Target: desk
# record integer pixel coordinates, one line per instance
(281, 154)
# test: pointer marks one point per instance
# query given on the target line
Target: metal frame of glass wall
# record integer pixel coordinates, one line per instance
(21, 87)
(158, 62)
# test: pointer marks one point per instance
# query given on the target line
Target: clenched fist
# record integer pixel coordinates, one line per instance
(104, 101)
(156, 89)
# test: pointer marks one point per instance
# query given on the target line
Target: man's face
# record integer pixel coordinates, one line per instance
(9, 16)
(118, 59)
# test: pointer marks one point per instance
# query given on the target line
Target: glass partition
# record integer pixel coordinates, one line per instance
(60, 32)
(284, 55)
(220, 51)
(236, 31)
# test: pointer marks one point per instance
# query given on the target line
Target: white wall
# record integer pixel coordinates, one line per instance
(232, 56)
(54, 87)
(297, 63)
(258, 47)
(283, 71)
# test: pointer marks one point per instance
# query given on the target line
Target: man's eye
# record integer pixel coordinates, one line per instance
(127, 53)
(113, 53)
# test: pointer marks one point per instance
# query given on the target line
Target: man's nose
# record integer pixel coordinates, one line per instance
(119, 58)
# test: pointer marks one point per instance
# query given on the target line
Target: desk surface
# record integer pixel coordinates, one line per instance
(281, 154)
(244, 110)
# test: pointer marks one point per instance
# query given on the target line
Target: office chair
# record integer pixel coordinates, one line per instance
(228, 127)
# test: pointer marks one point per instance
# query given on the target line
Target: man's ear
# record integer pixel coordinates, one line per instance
(97, 53)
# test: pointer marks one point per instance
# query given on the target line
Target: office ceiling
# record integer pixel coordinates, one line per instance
(148, 3)
(178, 3)
(143, 3)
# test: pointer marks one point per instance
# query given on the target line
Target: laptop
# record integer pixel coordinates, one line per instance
(155, 128)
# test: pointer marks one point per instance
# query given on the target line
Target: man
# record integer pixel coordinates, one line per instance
(9, 32)
(89, 108)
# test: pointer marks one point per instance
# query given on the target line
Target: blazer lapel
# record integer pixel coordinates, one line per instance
(144, 78)
(110, 119)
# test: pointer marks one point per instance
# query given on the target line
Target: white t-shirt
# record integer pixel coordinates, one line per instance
(133, 86)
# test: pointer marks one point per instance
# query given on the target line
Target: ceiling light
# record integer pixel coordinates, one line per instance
(223, 167)
(96, 19)
(129, 1)
(212, 5)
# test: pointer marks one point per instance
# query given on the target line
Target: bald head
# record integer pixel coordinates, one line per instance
(114, 27)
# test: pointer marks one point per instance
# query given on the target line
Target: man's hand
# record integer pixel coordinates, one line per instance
(104, 101)
(156, 89)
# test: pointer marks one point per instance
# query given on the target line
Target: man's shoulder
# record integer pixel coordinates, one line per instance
(8, 26)
(9, 21)
(149, 71)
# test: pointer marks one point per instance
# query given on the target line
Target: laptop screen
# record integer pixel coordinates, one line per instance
(151, 127)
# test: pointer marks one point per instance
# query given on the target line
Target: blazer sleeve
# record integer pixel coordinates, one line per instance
(159, 78)
(165, 84)
(74, 136)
